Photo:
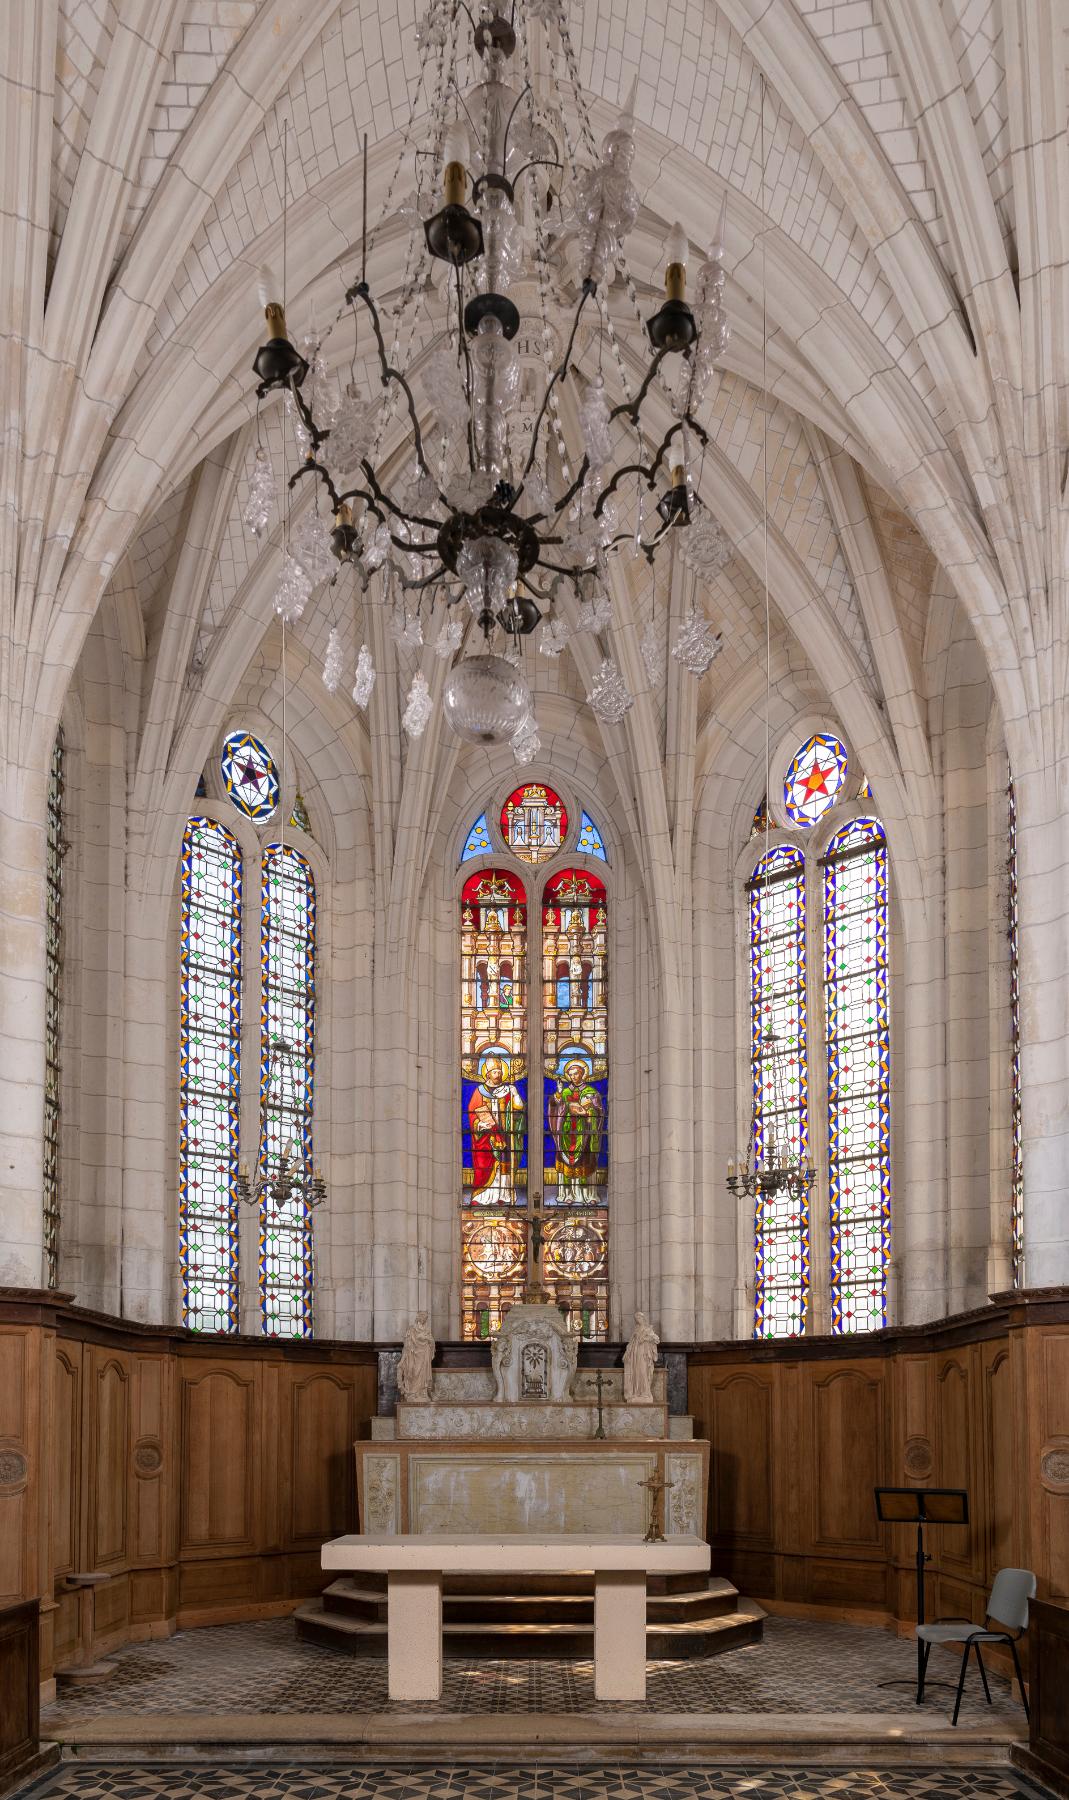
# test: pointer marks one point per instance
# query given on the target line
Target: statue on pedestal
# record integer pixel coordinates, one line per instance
(414, 1368)
(639, 1360)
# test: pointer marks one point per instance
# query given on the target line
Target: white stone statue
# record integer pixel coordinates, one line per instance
(639, 1359)
(414, 1368)
(534, 1355)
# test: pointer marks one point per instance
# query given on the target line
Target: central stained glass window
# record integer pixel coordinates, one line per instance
(534, 822)
(814, 779)
(249, 775)
(493, 1006)
(535, 1217)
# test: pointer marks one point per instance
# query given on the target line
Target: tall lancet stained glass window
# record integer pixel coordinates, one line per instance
(287, 1076)
(209, 1076)
(575, 1069)
(494, 1089)
(859, 1074)
(54, 851)
(780, 1085)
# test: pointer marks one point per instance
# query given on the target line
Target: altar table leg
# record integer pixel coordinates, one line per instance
(620, 1634)
(414, 1635)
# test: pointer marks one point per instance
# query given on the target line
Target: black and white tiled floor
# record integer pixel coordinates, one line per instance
(513, 1781)
(261, 1668)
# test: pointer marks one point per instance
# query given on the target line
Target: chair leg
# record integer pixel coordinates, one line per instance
(983, 1674)
(926, 1651)
(961, 1684)
(1020, 1682)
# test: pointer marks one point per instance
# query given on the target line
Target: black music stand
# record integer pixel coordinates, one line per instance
(921, 1507)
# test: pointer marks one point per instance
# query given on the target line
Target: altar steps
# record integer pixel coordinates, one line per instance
(682, 1620)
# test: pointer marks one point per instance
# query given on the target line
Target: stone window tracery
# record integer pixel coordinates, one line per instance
(819, 952)
(231, 973)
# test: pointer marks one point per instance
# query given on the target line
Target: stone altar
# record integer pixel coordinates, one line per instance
(513, 1448)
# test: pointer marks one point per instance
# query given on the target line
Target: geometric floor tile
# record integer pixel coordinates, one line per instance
(504, 1781)
(799, 1667)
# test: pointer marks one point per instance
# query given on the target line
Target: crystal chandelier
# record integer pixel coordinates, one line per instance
(508, 211)
(774, 1168)
(293, 1177)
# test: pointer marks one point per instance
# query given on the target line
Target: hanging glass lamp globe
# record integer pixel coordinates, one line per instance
(485, 698)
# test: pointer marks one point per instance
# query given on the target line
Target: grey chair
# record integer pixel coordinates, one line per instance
(1007, 1607)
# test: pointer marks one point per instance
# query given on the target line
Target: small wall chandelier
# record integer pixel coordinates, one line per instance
(769, 1167)
(494, 513)
(291, 1177)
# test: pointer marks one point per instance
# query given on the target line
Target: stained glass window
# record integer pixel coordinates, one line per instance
(1016, 1139)
(249, 775)
(533, 823)
(287, 1073)
(299, 815)
(814, 779)
(54, 849)
(760, 819)
(859, 1074)
(493, 984)
(477, 842)
(591, 842)
(780, 1085)
(209, 1076)
(575, 1095)
(864, 792)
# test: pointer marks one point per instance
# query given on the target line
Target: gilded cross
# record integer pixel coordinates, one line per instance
(656, 1486)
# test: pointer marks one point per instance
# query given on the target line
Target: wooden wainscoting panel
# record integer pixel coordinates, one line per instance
(218, 1460)
(1000, 1522)
(1053, 1471)
(24, 1418)
(66, 1459)
(151, 1469)
(733, 1408)
(19, 1690)
(849, 1441)
(106, 1438)
(957, 1549)
(320, 1424)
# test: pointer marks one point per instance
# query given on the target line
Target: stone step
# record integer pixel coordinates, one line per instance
(489, 1641)
(716, 1599)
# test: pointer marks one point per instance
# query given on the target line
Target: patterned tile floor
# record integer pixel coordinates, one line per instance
(511, 1781)
(261, 1668)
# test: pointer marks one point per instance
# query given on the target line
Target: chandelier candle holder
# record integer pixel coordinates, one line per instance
(292, 1177)
(766, 1170)
(497, 514)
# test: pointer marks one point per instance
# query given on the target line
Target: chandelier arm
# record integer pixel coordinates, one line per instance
(361, 291)
(649, 470)
(537, 162)
(505, 140)
(412, 582)
(434, 525)
(557, 375)
(317, 436)
(310, 466)
(469, 383)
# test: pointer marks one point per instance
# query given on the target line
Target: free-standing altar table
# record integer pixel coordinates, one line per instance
(415, 1564)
